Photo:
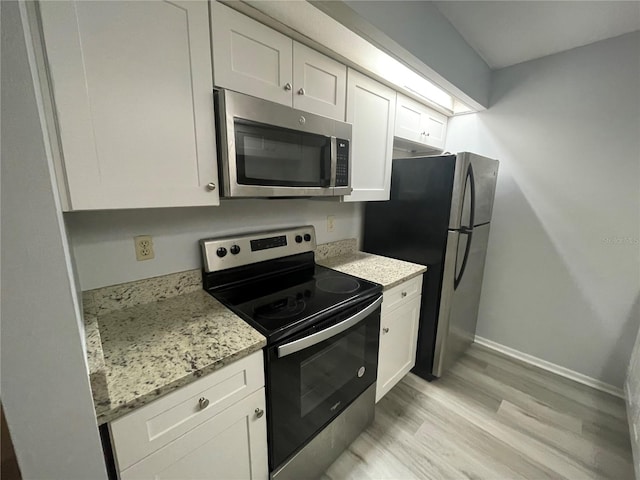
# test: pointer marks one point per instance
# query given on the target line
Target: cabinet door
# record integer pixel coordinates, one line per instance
(398, 341)
(434, 126)
(133, 95)
(409, 122)
(319, 83)
(249, 57)
(231, 445)
(371, 110)
(419, 124)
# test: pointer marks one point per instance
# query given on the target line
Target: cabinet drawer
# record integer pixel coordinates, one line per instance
(148, 428)
(401, 294)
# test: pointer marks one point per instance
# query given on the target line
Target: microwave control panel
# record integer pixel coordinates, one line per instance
(342, 163)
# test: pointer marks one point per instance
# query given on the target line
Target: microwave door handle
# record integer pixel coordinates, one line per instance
(315, 338)
(334, 160)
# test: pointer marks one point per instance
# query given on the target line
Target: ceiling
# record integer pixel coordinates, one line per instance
(504, 33)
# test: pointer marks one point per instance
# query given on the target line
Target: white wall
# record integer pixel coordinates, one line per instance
(562, 279)
(45, 385)
(421, 29)
(103, 241)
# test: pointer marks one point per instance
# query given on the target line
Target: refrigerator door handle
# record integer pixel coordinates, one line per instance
(472, 192)
(458, 279)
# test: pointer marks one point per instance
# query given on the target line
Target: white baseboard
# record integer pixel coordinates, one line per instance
(551, 367)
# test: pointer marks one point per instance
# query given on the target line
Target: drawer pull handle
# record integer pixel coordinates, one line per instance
(259, 412)
(404, 294)
(288, 86)
(203, 403)
(385, 330)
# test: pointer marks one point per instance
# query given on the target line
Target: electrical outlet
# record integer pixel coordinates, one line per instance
(144, 247)
(331, 220)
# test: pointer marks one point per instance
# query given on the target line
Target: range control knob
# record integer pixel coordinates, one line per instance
(235, 249)
(221, 252)
(307, 237)
(298, 239)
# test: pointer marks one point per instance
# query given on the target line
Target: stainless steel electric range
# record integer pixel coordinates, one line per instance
(322, 329)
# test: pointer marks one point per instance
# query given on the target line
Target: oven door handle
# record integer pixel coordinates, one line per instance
(306, 342)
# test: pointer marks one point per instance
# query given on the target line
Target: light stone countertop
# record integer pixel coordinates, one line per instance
(152, 349)
(95, 357)
(386, 271)
(149, 337)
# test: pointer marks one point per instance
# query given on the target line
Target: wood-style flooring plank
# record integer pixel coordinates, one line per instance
(598, 458)
(518, 397)
(491, 417)
(554, 386)
(537, 451)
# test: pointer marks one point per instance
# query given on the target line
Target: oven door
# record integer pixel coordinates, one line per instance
(314, 375)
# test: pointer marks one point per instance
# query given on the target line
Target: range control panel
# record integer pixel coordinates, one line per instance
(230, 252)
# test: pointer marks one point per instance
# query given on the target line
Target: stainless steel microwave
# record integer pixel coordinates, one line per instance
(271, 150)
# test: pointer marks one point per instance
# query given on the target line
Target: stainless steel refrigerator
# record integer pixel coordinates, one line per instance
(438, 215)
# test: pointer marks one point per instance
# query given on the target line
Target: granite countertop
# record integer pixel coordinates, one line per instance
(140, 352)
(388, 272)
(149, 337)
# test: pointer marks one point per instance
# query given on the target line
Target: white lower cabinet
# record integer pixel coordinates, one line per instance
(214, 427)
(231, 445)
(398, 334)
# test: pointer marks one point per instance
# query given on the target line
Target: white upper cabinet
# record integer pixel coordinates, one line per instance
(132, 89)
(371, 111)
(251, 58)
(409, 120)
(320, 83)
(420, 124)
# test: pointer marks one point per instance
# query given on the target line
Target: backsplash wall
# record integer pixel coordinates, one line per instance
(102, 241)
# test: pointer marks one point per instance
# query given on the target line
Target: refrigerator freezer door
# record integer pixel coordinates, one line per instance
(463, 301)
(412, 225)
(484, 171)
(460, 188)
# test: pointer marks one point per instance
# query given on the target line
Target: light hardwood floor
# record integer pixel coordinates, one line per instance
(491, 417)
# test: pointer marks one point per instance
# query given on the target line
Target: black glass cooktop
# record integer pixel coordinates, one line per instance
(279, 306)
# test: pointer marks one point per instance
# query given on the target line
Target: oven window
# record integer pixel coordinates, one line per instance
(326, 372)
(273, 156)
